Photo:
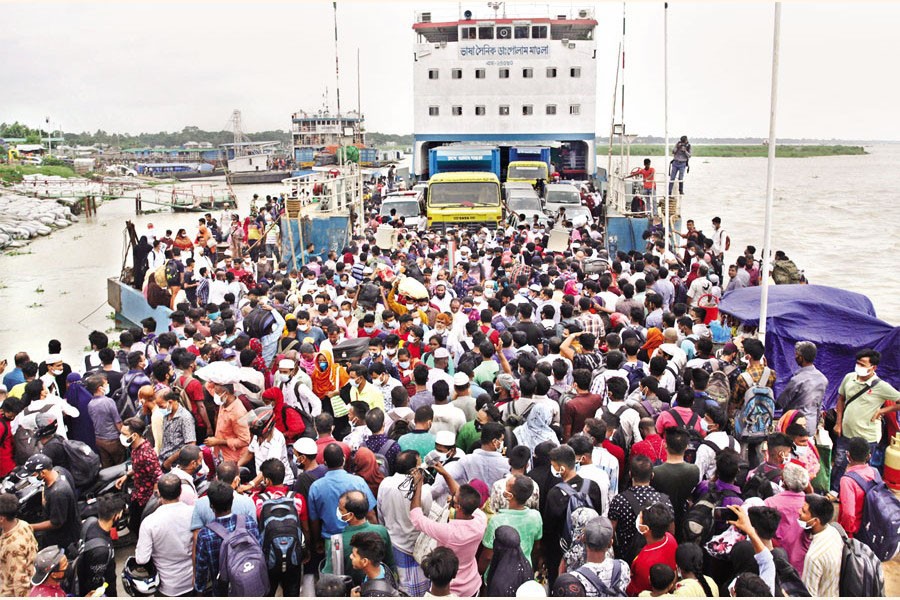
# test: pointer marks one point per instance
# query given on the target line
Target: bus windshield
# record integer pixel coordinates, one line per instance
(456, 193)
(527, 173)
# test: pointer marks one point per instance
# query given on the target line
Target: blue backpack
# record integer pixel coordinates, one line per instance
(635, 374)
(242, 566)
(755, 419)
(880, 526)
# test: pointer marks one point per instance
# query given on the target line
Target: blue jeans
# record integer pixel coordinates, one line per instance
(677, 172)
(841, 459)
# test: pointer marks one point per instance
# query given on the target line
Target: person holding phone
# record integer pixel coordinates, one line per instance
(740, 519)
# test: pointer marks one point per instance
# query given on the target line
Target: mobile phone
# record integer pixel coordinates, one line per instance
(723, 513)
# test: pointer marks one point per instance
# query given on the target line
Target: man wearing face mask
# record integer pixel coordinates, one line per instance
(50, 567)
(486, 463)
(863, 401)
(61, 525)
(187, 464)
(231, 435)
(563, 465)
(765, 480)
(806, 389)
(384, 382)
(144, 469)
(306, 330)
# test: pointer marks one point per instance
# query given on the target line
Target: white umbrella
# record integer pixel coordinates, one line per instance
(219, 372)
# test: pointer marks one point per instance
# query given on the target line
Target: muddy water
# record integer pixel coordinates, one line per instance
(834, 217)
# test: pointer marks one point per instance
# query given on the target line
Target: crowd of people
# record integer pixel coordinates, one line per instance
(463, 414)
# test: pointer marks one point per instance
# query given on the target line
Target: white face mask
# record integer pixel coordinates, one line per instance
(125, 440)
(303, 327)
(345, 313)
(555, 473)
(803, 524)
(340, 516)
(861, 371)
(218, 400)
(802, 450)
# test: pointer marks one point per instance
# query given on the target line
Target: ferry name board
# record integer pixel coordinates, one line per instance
(504, 50)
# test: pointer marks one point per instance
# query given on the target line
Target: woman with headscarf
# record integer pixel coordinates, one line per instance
(327, 380)
(182, 241)
(509, 567)
(259, 363)
(536, 429)
(654, 340)
(139, 254)
(367, 467)
(541, 473)
(793, 424)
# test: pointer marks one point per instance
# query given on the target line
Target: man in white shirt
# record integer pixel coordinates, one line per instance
(715, 441)
(165, 539)
(393, 512)
(267, 442)
(721, 241)
(446, 416)
(629, 419)
(583, 448)
(217, 288)
(383, 382)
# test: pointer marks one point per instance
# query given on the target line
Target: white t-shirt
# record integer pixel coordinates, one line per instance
(275, 447)
(447, 418)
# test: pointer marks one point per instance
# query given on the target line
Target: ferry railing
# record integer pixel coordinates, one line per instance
(623, 189)
(505, 10)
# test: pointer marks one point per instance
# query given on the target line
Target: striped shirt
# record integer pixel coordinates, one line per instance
(822, 566)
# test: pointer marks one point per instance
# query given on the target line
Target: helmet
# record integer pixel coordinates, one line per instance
(45, 424)
(38, 462)
(138, 579)
(260, 421)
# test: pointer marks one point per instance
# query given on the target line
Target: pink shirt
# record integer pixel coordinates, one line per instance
(665, 420)
(230, 428)
(789, 534)
(852, 498)
(463, 537)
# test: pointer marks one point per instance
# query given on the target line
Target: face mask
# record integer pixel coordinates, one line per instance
(413, 340)
(641, 528)
(410, 307)
(417, 321)
(353, 383)
(390, 324)
(281, 378)
(390, 351)
(213, 316)
(803, 524)
(441, 457)
(56, 372)
(345, 313)
(323, 366)
(861, 371)
(303, 327)
(404, 364)
(218, 400)
(125, 440)
(165, 412)
(555, 473)
(501, 448)
(341, 516)
(369, 329)
(704, 425)
(106, 390)
(801, 451)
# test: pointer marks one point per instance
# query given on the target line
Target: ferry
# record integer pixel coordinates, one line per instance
(318, 136)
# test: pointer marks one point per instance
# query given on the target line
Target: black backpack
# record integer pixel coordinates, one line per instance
(575, 500)
(618, 437)
(282, 538)
(694, 437)
(124, 404)
(761, 485)
(699, 524)
(861, 571)
(83, 461)
(78, 587)
(513, 418)
(258, 322)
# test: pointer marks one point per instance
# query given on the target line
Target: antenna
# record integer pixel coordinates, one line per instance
(358, 88)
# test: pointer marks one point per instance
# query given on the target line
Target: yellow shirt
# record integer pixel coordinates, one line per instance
(370, 395)
(692, 587)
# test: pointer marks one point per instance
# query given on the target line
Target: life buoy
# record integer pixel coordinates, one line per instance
(317, 189)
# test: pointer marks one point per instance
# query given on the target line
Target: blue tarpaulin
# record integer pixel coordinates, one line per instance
(839, 322)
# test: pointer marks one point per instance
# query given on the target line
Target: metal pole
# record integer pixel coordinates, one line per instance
(666, 117)
(770, 179)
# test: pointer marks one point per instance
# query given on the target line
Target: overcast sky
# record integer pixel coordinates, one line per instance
(130, 66)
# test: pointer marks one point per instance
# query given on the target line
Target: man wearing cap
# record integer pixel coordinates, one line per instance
(17, 549)
(462, 395)
(441, 358)
(61, 525)
(50, 566)
(602, 575)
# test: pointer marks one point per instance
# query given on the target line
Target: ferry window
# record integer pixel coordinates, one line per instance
(521, 32)
(479, 73)
(467, 33)
(539, 31)
(457, 111)
(551, 72)
(528, 73)
(485, 33)
(551, 109)
(504, 110)
(574, 109)
(504, 73)
(575, 72)
(527, 109)
(456, 74)
(434, 111)
(479, 111)
(504, 32)
(432, 73)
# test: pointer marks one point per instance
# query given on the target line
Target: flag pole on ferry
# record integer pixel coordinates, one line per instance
(770, 178)
(666, 119)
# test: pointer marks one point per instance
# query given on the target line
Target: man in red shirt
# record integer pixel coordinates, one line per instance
(187, 362)
(272, 489)
(648, 173)
(652, 445)
(583, 406)
(653, 524)
(852, 496)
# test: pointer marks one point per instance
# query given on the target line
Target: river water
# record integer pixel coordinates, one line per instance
(832, 217)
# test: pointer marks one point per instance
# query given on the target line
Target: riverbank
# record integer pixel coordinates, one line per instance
(15, 173)
(744, 151)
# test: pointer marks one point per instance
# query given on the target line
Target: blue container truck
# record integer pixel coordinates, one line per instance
(454, 159)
